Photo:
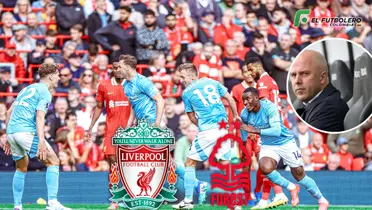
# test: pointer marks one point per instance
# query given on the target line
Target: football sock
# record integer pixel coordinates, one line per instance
(52, 181)
(311, 187)
(276, 178)
(266, 188)
(18, 186)
(180, 171)
(190, 177)
(259, 180)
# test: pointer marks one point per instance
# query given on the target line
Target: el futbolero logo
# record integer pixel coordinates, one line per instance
(302, 17)
(143, 165)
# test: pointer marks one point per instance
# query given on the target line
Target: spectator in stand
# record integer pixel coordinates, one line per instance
(73, 97)
(269, 33)
(10, 56)
(280, 21)
(199, 7)
(150, 38)
(333, 164)
(321, 11)
(67, 51)
(171, 117)
(241, 50)
(98, 19)
(66, 81)
(303, 135)
(74, 64)
(6, 161)
(76, 131)
(91, 56)
(359, 8)
(258, 50)
(368, 161)
(251, 24)
(76, 33)
(121, 34)
(183, 124)
(231, 65)
(227, 4)
(136, 18)
(39, 4)
(157, 70)
(306, 156)
(68, 13)
(5, 85)
(346, 158)
(6, 27)
(34, 29)
(226, 29)
(22, 8)
(257, 7)
(37, 56)
(88, 82)
(23, 41)
(218, 51)
(196, 48)
(67, 162)
(51, 39)
(240, 18)
(176, 36)
(207, 27)
(283, 58)
(49, 15)
(58, 116)
(91, 5)
(160, 12)
(183, 144)
(84, 115)
(319, 151)
(208, 64)
(183, 15)
(101, 67)
(359, 33)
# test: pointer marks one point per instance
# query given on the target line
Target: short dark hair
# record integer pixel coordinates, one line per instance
(188, 67)
(126, 8)
(257, 35)
(169, 15)
(47, 69)
(74, 88)
(253, 60)
(78, 27)
(102, 123)
(252, 90)
(149, 12)
(280, 9)
(249, 11)
(70, 114)
(129, 60)
(92, 49)
(51, 32)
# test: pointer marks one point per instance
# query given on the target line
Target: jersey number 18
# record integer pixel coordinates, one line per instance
(212, 98)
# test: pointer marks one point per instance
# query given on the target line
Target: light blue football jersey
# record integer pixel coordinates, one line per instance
(268, 120)
(140, 91)
(31, 99)
(203, 97)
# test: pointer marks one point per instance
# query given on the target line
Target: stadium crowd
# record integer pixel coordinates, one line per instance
(84, 37)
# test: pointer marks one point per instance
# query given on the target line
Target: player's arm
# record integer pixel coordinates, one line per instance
(97, 112)
(159, 108)
(232, 104)
(8, 114)
(193, 118)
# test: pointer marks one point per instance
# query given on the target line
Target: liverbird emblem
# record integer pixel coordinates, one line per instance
(144, 181)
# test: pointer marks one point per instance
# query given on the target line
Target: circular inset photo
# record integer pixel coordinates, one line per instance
(330, 85)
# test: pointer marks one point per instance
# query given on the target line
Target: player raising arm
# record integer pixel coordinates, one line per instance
(145, 98)
(25, 131)
(203, 104)
(262, 117)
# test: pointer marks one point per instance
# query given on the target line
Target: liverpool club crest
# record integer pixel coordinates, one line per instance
(143, 169)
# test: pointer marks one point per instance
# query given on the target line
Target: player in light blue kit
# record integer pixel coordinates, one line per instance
(203, 105)
(145, 98)
(25, 131)
(262, 117)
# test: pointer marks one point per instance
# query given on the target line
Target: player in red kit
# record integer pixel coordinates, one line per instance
(267, 88)
(118, 110)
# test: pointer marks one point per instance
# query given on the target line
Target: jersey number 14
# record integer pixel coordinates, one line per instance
(212, 95)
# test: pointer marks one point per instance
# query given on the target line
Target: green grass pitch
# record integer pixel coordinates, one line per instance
(168, 207)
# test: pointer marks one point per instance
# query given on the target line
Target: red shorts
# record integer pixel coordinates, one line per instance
(108, 148)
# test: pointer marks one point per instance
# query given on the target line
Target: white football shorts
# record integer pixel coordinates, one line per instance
(290, 153)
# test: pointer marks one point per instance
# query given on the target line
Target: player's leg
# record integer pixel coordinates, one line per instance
(52, 178)
(19, 154)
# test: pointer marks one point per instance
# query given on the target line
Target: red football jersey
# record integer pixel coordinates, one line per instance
(118, 109)
(208, 68)
(267, 88)
(368, 139)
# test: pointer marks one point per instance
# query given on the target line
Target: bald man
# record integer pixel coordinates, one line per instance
(322, 106)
